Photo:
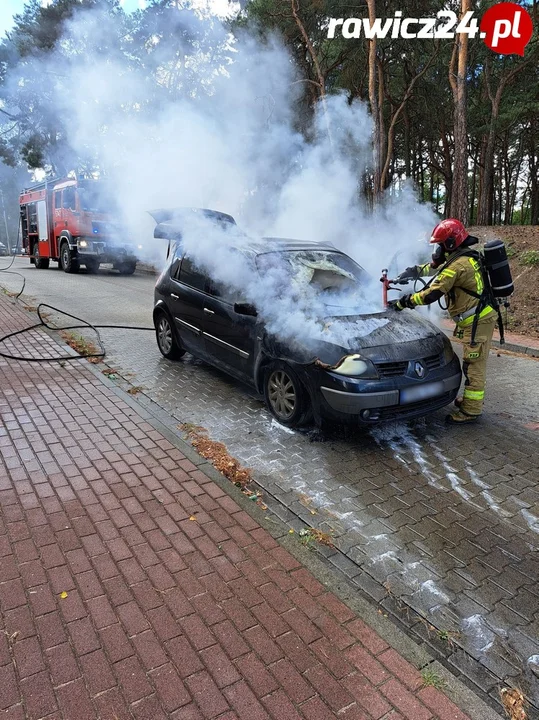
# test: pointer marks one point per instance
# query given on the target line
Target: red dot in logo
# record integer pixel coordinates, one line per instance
(506, 28)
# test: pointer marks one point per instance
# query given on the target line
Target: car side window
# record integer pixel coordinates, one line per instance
(175, 251)
(227, 293)
(191, 275)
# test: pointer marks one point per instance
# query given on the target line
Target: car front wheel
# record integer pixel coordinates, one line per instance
(285, 395)
(167, 341)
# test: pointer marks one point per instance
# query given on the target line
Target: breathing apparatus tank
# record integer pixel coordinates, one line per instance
(497, 267)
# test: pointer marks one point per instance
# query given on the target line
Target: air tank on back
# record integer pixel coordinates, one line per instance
(497, 267)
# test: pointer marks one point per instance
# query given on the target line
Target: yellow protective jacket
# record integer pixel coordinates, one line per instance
(454, 278)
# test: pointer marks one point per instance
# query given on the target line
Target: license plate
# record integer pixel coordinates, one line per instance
(421, 392)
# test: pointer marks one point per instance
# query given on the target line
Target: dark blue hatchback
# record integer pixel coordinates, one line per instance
(364, 367)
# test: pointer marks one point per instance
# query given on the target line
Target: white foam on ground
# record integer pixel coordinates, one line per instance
(478, 632)
(274, 425)
(532, 521)
(489, 498)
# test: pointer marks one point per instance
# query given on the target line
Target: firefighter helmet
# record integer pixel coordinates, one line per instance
(450, 233)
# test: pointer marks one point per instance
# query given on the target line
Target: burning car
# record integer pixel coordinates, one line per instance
(339, 362)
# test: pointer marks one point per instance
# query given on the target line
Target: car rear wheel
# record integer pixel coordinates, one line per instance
(40, 263)
(285, 395)
(167, 340)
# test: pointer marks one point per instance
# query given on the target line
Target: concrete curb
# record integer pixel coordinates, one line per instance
(515, 347)
(521, 349)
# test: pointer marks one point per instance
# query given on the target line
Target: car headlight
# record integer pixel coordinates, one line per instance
(351, 366)
(139, 247)
(83, 243)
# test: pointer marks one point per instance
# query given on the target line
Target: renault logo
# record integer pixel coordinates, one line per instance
(419, 370)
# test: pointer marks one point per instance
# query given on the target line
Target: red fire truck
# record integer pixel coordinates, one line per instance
(68, 221)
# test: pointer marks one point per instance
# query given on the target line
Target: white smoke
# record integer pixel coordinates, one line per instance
(215, 125)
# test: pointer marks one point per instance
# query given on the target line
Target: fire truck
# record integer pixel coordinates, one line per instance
(69, 221)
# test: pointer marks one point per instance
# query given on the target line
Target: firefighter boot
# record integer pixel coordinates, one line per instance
(457, 417)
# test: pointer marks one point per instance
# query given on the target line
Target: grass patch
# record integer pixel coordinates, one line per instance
(448, 636)
(530, 258)
(432, 679)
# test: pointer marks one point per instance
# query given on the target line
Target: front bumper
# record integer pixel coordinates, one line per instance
(353, 403)
(104, 252)
(396, 398)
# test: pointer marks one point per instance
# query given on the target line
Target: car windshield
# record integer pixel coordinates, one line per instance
(336, 279)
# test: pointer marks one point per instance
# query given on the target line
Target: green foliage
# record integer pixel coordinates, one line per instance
(530, 258)
(33, 131)
(432, 678)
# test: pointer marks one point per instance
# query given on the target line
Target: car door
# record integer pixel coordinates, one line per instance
(186, 298)
(230, 337)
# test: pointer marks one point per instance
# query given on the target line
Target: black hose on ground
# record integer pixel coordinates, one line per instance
(85, 325)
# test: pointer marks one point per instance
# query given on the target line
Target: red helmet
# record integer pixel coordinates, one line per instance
(451, 233)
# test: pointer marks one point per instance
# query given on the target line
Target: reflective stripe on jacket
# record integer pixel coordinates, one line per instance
(454, 278)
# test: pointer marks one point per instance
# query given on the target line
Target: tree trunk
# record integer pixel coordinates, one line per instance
(474, 179)
(407, 164)
(533, 161)
(319, 75)
(459, 61)
(487, 189)
(448, 173)
(373, 100)
(484, 215)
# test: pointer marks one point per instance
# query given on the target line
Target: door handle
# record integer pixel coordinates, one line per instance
(176, 297)
(208, 311)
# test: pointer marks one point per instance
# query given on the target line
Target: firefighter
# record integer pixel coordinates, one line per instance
(460, 280)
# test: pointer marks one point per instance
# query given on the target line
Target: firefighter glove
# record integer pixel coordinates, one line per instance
(411, 273)
(403, 302)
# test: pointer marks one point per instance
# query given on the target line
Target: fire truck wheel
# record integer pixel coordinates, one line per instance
(69, 263)
(127, 268)
(167, 339)
(40, 263)
(92, 266)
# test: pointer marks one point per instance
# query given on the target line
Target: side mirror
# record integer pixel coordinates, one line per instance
(245, 309)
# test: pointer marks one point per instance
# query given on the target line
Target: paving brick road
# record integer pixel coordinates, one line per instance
(438, 526)
(133, 586)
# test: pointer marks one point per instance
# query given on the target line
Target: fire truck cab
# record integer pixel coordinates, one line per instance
(69, 221)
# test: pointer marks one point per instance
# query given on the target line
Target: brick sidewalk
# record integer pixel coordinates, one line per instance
(133, 586)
